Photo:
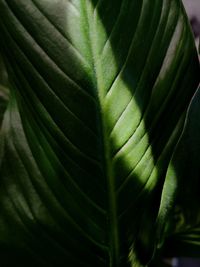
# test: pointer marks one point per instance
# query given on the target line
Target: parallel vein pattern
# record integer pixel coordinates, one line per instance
(99, 92)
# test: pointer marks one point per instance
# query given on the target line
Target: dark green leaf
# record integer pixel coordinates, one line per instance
(3, 90)
(99, 95)
(184, 171)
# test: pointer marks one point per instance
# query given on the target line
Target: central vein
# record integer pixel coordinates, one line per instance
(112, 222)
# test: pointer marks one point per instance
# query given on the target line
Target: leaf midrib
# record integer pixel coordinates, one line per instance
(112, 222)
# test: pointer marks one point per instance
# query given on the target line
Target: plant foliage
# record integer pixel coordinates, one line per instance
(95, 160)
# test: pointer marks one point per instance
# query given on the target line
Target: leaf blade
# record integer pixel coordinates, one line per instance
(75, 68)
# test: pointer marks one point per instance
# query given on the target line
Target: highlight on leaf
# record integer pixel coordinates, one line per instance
(89, 152)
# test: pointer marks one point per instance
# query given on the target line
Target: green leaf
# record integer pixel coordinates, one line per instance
(185, 243)
(3, 90)
(99, 95)
(184, 238)
(3, 101)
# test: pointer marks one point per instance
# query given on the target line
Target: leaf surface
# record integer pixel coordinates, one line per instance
(99, 95)
(184, 173)
(3, 89)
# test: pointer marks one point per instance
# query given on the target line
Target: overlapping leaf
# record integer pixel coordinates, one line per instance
(99, 95)
(184, 173)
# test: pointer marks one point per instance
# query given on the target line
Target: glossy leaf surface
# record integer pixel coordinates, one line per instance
(99, 95)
